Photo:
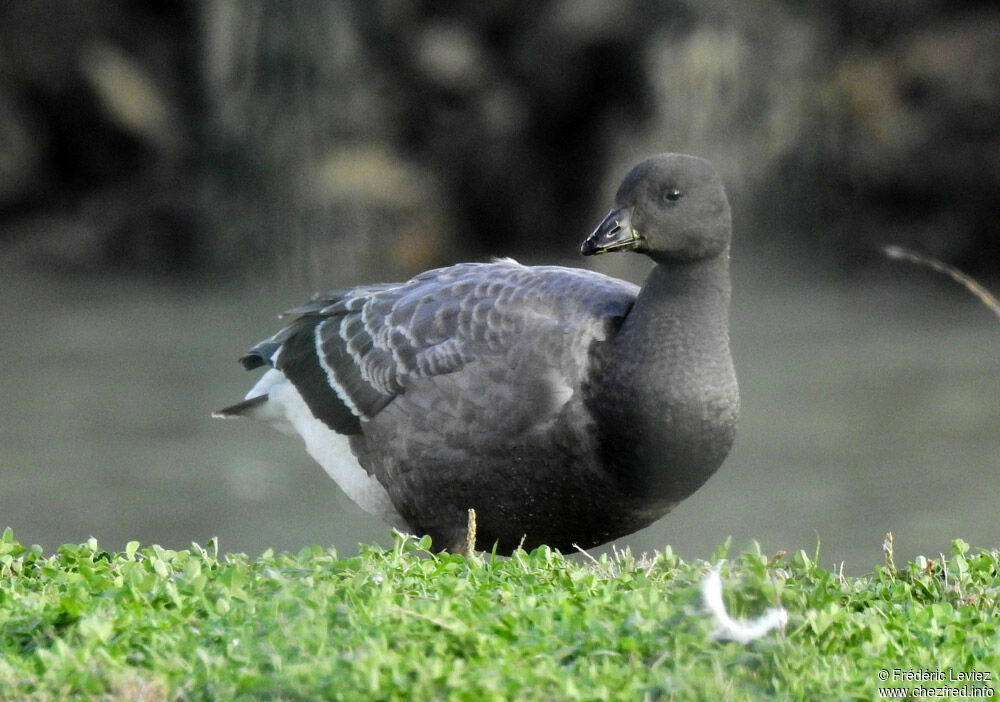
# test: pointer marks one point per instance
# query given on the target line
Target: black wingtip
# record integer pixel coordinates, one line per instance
(253, 360)
(262, 354)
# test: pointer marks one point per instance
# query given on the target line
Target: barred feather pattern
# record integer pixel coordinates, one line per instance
(372, 342)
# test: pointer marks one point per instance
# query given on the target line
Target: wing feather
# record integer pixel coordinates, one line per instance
(372, 342)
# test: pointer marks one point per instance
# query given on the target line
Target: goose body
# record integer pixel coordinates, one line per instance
(566, 407)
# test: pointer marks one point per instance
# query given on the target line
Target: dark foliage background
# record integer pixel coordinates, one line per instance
(311, 137)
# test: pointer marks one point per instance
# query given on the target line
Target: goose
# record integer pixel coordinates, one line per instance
(566, 407)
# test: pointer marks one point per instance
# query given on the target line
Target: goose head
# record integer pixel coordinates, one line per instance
(671, 207)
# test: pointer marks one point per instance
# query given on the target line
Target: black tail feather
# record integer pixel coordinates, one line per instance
(240, 408)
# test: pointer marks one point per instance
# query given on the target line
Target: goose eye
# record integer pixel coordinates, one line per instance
(672, 194)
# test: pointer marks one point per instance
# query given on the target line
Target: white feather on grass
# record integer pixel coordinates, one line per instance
(729, 629)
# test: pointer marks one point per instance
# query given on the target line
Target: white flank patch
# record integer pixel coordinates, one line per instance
(561, 393)
(286, 411)
(726, 627)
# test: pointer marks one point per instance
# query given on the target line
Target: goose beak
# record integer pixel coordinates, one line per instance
(615, 233)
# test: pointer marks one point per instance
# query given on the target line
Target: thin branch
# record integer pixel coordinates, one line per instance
(901, 254)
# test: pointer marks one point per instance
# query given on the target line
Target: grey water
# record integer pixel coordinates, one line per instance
(868, 407)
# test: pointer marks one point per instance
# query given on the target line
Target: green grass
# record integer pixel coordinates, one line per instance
(406, 623)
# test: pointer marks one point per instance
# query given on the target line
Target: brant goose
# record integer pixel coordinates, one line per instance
(566, 407)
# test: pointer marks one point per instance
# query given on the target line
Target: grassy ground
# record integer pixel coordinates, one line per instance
(406, 623)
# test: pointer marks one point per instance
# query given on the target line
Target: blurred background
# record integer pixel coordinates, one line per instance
(173, 174)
